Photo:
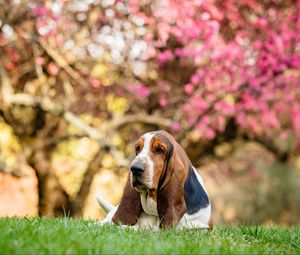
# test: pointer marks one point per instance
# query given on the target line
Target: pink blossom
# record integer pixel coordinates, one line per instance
(176, 127)
(39, 11)
(178, 52)
(148, 37)
(140, 91)
(40, 60)
(95, 83)
(188, 88)
(53, 70)
(209, 133)
(143, 91)
(163, 102)
(199, 105)
(195, 79)
(164, 57)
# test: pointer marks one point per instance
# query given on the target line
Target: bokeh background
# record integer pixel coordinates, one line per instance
(82, 80)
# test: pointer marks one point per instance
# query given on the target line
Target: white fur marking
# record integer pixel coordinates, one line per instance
(199, 219)
(148, 204)
(144, 155)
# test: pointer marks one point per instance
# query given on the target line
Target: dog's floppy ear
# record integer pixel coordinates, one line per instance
(170, 198)
(130, 206)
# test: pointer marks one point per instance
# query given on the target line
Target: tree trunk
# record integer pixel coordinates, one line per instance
(53, 200)
(79, 202)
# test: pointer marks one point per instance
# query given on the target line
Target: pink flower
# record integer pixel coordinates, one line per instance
(209, 133)
(164, 57)
(39, 11)
(148, 37)
(195, 79)
(95, 83)
(143, 91)
(139, 90)
(176, 127)
(270, 119)
(52, 68)
(163, 102)
(199, 105)
(40, 60)
(188, 88)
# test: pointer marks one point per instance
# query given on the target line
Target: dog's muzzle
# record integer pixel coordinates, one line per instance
(137, 169)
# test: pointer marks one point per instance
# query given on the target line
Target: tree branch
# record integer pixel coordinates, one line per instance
(280, 155)
(60, 61)
(139, 118)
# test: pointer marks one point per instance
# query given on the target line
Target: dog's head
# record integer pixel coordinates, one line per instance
(153, 153)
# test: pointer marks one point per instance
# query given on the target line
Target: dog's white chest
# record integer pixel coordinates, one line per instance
(148, 204)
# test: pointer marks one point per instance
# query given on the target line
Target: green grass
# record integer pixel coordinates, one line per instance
(73, 236)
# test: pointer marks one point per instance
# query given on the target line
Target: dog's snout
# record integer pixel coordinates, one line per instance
(137, 168)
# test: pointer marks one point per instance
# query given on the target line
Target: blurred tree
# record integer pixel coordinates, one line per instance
(209, 71)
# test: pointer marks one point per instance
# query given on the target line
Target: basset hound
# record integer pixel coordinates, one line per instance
(163, 189)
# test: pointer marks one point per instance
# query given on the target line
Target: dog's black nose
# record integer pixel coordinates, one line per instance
(137, 168)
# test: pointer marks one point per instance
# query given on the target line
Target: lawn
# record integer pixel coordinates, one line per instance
(74, 236)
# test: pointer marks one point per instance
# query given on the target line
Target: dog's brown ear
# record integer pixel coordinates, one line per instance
(130, 206)
(170, 198)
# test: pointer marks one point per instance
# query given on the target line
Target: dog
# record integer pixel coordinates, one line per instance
(163, 189)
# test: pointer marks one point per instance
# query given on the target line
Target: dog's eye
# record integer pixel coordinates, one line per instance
(159, 150)
(137, 149)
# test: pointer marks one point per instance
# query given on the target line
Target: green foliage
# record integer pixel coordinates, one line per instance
(70, 236)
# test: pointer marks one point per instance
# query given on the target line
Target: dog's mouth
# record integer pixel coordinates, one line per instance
(138, 184)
